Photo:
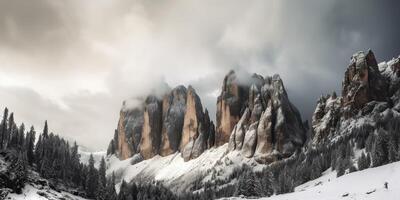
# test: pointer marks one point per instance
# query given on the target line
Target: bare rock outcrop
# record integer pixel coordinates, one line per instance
(194, 134)
(175, 122)
(270, 127)
(363, 82)
(326, 117)
(367, 88)
(230, 103)
(151, 131)
(233, 101)
(174, 109)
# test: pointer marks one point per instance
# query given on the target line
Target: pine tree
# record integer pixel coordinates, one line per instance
(380, 150)
(124, 193)
(3, 131)
(102, 181)
(39, 151)
(45, 130)
(92, 179)
(392, 150)
(11, 129)
(341, 167)
(18, 172)
(134, 191)
(249, 185)
(21, 137)
(111, 193)
(75, 164)
(30, 142)
(362, 162)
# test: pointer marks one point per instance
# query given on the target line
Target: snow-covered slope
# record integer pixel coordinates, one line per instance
(362, 185)
(32, 193)
(174, 172)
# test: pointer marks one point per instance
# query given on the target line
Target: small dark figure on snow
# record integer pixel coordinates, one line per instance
(386, 185)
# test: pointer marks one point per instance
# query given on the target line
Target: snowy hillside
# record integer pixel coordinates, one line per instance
(33, 193)
(363, 185)
(174, 172)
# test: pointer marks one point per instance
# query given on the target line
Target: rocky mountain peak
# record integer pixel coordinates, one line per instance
(363, 82)
(264, 124)
(164, 125)
(367, 89)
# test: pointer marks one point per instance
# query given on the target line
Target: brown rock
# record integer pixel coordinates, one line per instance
(229, 105)
(125, 148)
(193, 120)
(363, 82)
(174, 108)
(151, 133)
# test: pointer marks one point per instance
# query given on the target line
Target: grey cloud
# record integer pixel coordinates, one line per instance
(117, 50)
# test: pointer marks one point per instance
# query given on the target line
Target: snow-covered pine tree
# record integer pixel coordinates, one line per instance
(17, 172)
(249, 185)
(380, 149)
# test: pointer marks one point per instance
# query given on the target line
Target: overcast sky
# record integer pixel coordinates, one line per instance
(74, 62)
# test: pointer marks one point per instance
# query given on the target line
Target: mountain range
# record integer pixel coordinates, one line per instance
(168, 146)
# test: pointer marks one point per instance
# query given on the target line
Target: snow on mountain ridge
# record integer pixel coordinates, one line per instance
(177, 174)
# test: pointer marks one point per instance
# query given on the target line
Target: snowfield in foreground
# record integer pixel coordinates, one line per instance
(31, 193)
(363, 185)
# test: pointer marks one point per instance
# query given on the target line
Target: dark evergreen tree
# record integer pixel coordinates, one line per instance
(17, 172)
(111, 193)
(249, 185)
(380, 149)
(3, 130)
(362, 162)
(21, 137)
(124, 193)
(45, 129)
(29, 145)
(75, 164)
(92, 179)
(102, 181)
(392, 150)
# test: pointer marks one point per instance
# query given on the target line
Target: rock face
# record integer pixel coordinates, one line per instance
(151, 131)
(268, 126)
(231, 104)
(326, 117)
(174, 108)
(363, 82)
(175, 122)
(367, 88)
(128, 133)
